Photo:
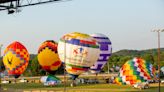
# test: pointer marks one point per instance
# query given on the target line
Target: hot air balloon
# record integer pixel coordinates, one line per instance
(50, 80)
(79, 52)
(48, 57)
(15, 59)
(105, 52)
(135, 71)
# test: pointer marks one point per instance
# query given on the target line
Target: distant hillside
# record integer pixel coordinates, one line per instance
(126, 52)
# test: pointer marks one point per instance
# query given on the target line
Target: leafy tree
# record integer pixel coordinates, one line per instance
(149, 58)
(2, 67)
(117, 59)
(60, 70)
(34, 66)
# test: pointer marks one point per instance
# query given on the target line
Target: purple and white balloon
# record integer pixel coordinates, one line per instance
(105, 52)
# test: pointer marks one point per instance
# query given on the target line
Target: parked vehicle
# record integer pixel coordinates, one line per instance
(23, 80)
(162, 81)
(5, 82)
(87, 81)
(141, 85)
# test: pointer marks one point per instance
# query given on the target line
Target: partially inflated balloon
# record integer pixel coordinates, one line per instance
(48, 57)
(15, 59)
(105, 52)
(78, 51)
(134, 71)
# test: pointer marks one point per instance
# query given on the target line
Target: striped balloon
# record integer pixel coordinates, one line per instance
(16, 59)
(105, 52)
(134, 71)
(78, 51)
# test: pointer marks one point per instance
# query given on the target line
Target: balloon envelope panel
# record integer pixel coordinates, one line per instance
(44, 79)
(105, 52)
(134, 71)
(78, 51)
(48, 57)
(16, 58)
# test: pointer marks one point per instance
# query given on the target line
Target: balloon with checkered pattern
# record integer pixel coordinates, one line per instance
(79, 52)
(48, 57)
(134, 71)
(16, 59)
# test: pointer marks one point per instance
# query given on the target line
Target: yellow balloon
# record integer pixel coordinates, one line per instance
(15, 59)
(48, 57)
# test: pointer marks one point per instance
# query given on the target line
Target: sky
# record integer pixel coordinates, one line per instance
(127, 23)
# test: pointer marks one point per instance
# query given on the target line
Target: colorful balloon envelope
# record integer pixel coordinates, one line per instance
(50, 78)
(78, 51)
(105, 52)
(134, 71)
(16, 59)
(48, 56)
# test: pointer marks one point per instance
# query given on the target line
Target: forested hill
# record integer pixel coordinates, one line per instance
(120, 57)
(117, 59)
(126, 52)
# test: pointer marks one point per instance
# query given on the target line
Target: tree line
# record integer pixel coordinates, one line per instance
(117, 59)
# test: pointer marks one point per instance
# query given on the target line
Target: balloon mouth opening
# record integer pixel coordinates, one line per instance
(15, 76)
(73, 77)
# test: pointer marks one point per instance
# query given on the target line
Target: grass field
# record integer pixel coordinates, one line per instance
(101, 87)
(38, 87)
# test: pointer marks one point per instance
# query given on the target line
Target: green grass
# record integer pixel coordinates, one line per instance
(79, 88)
